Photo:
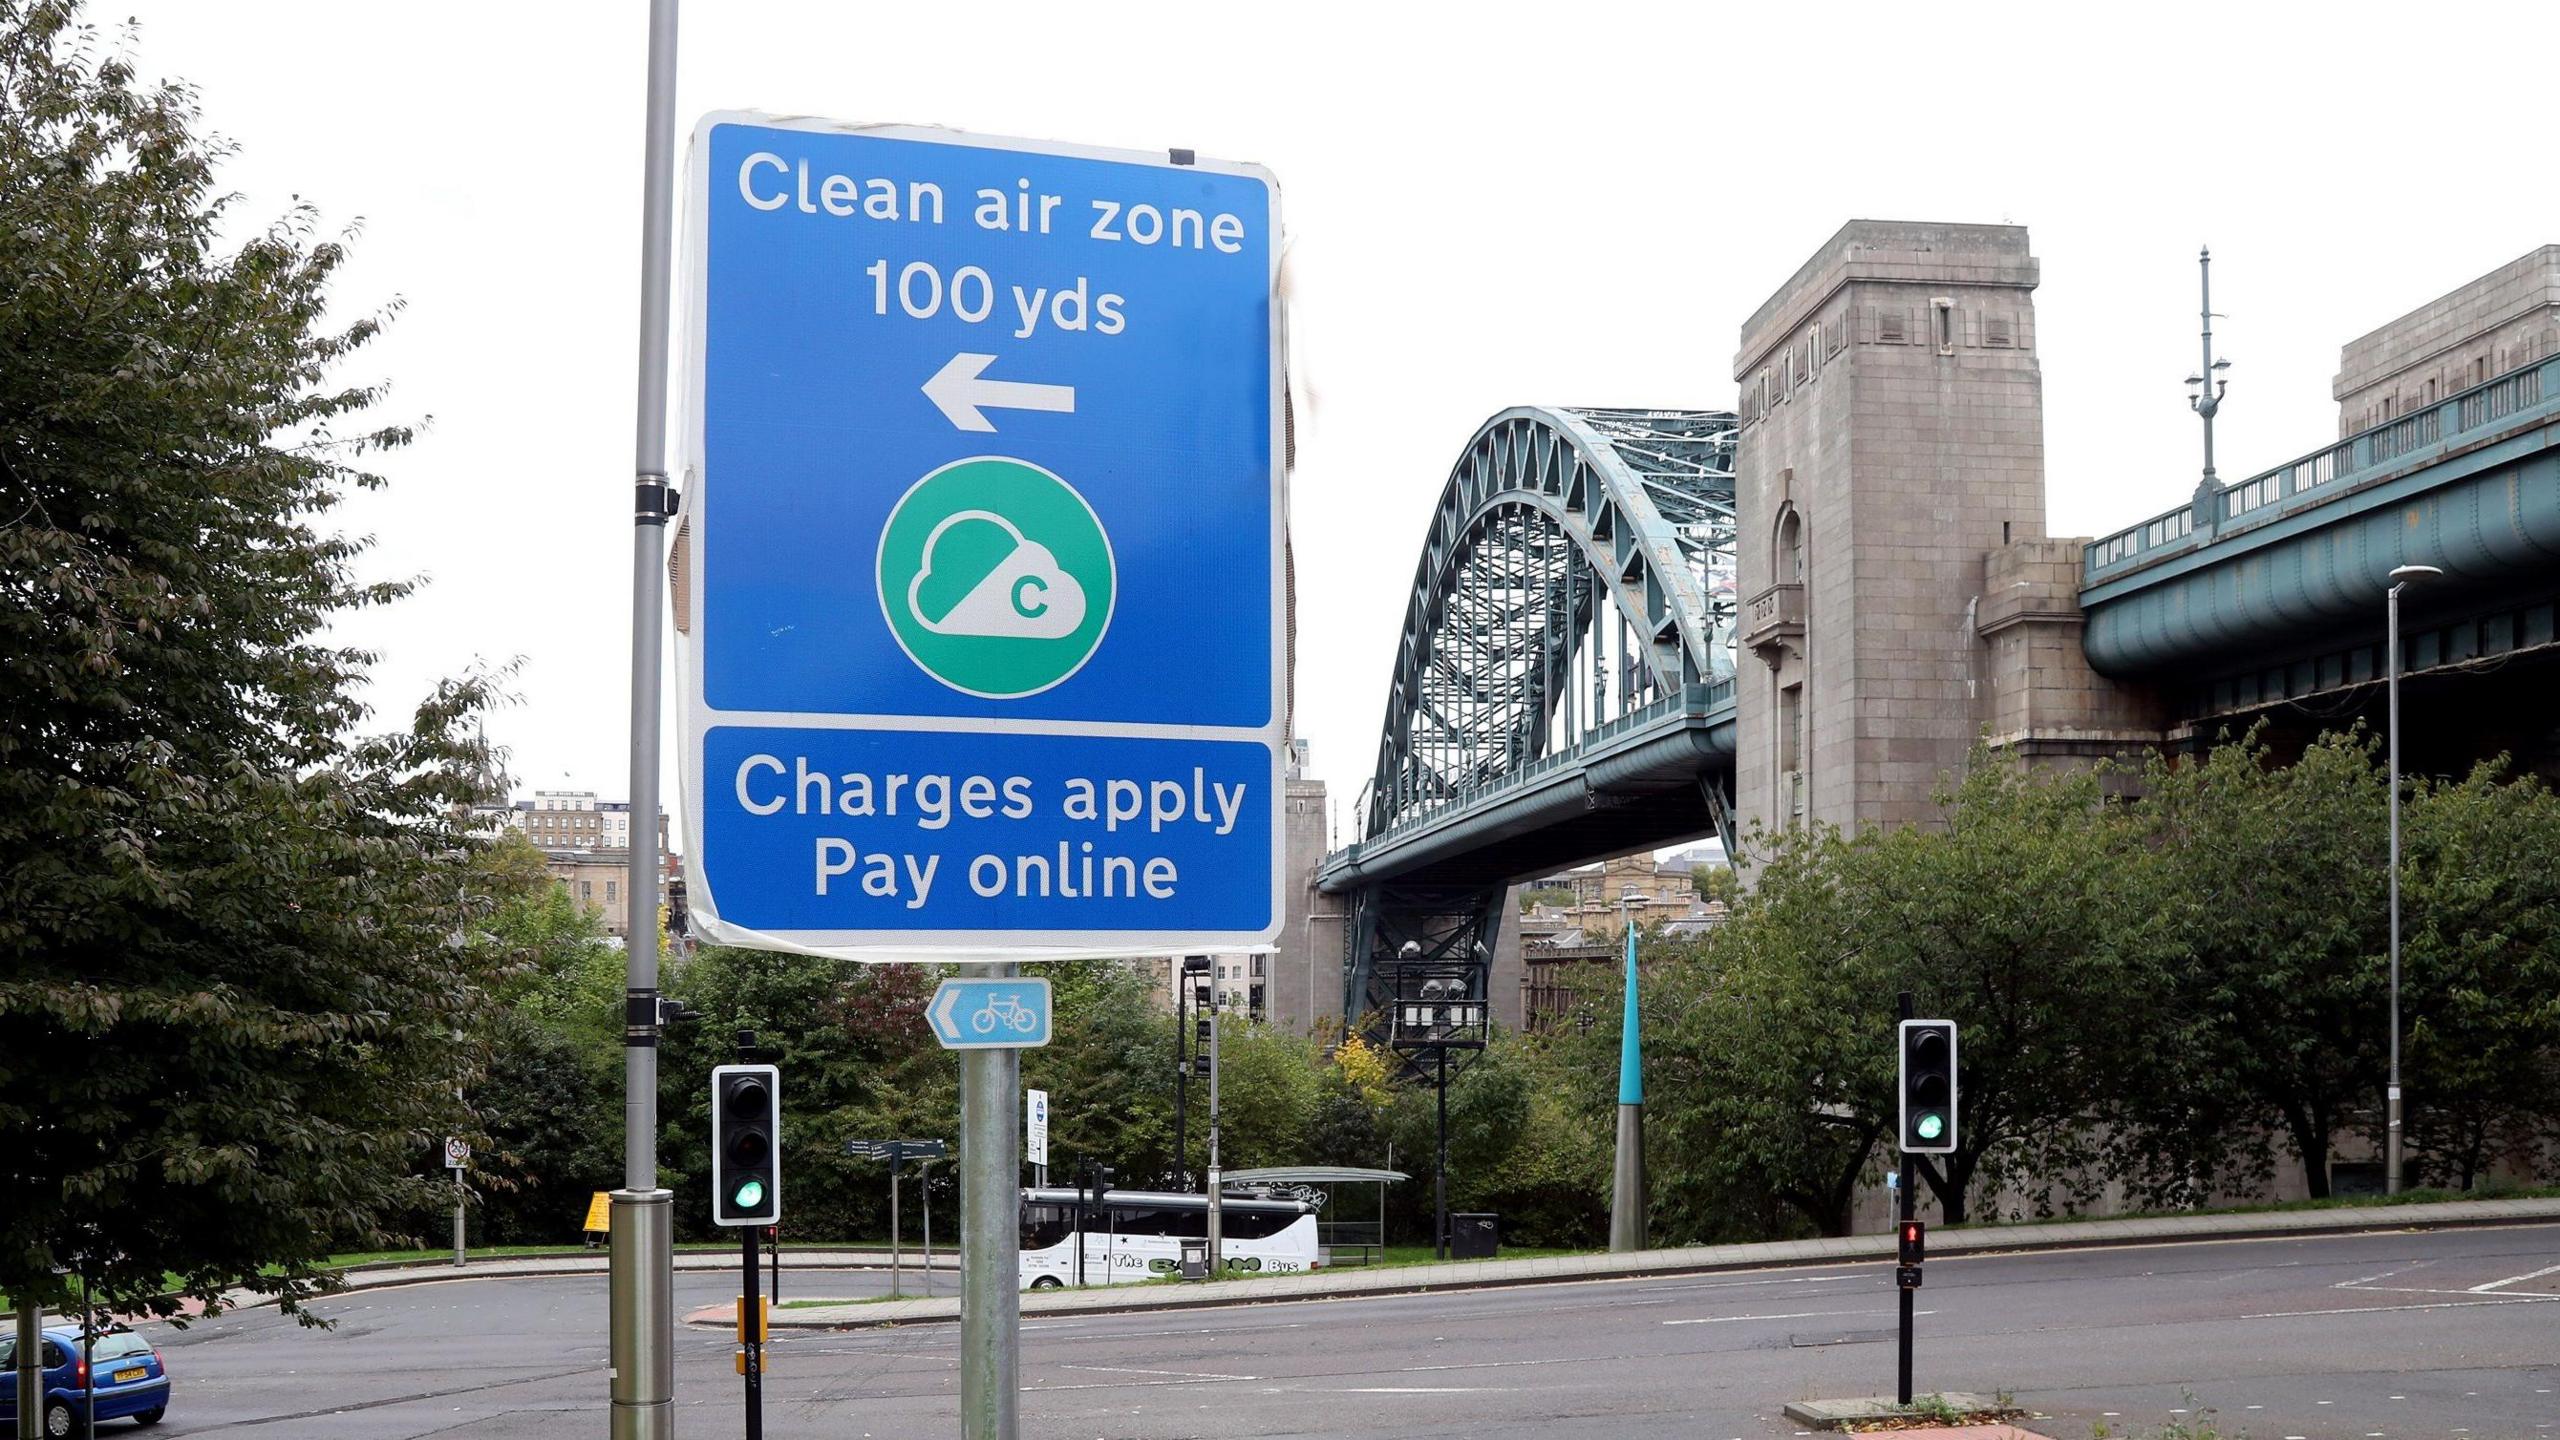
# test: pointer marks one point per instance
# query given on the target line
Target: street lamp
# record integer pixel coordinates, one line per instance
(1434, 1012)
(2205, 388)
(1626, 1184)
(2401, 578)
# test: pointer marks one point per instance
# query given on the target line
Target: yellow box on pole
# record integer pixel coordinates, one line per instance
(764, 1321)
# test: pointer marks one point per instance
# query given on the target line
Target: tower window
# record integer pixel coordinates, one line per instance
(1942, 313)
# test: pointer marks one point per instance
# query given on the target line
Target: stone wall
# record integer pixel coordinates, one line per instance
(1893, 435)
(2045, 701)
(2506, 318)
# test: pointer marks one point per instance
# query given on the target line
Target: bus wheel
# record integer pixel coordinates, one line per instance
(1048, 1282)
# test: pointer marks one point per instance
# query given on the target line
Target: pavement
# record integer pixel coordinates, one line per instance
(2435, 1334)
(1688, 1260)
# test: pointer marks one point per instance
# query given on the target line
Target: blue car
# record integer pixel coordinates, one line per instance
(132, 1385)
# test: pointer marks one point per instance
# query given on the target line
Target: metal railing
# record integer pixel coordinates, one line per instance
(1417, 815)
(2521, 397)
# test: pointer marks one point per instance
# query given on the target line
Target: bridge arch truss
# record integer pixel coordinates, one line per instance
(1573, 609)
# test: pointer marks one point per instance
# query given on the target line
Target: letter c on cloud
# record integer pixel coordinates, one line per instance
(747, 190)
(1035, 608)
(746, 802)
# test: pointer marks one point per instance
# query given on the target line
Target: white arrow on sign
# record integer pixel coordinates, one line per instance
(959, 389)
(943, 1019)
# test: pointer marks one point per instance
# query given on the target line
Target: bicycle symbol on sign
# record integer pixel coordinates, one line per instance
(1004, 1010)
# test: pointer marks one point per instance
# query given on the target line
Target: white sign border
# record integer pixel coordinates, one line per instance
(945, 946)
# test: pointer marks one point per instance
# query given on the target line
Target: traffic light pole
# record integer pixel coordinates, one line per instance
(641, 1287)
(1902, 1386)
(750, 1297)
(751, 1332)
(1910, 1172)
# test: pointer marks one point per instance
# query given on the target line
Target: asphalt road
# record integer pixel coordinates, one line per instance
(2451, 1333)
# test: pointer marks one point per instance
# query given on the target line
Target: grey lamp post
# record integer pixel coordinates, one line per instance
(2206, 387)
(2400, 580)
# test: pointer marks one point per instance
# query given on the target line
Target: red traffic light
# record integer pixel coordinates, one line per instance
(1912, 1235)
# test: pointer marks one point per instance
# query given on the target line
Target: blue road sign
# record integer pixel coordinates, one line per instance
(1008, 1014)
(980, 573)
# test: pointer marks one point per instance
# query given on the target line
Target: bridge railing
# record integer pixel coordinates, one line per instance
(1689, 699)
(2528, 395)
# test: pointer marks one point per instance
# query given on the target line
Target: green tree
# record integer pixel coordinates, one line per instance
(2481, 974)
(1778, 1035)
(1716, 882)
(226, 1008)
(2264, 902)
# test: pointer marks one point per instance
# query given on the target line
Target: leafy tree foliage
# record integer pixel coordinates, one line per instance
(226, 1007)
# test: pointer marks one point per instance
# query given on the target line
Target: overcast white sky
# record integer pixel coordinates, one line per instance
(1490, 205)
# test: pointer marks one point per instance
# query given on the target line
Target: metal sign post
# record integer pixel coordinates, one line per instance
(457, 1156)
(1216, 1261)
(1035, 1135)
(641, 1287)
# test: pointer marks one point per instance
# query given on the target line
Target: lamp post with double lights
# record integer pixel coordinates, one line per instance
(2401, 578)
(1436, 1012)
(1626, 1187)
(2205, 388)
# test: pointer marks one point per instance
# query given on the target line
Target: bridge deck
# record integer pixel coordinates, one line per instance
(1635, 776)
(2300, 552)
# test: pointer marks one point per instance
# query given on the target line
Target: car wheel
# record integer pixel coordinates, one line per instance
(1048, 1282)
(58, 1421)
(150, 1417)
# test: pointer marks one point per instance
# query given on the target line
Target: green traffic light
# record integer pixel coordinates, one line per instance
(1931, 1127)
(750, 1194)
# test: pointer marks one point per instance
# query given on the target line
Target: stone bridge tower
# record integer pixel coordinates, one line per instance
(1892, 441)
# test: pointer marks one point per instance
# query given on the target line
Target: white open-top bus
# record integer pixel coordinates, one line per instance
(1132, 1235)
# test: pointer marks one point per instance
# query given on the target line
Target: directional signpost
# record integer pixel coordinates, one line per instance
(898, 1153)
(1008, 1014)
(979, 590)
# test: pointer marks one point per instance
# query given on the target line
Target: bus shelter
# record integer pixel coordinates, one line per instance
(1343, 1241)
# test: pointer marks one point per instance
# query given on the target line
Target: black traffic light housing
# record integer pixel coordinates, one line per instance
(1928, 1113)
(746, 1145)
(1911, 1242)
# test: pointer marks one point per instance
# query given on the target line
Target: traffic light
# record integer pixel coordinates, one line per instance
(746, 1137)
(1911, 1242)
(1928, 1087)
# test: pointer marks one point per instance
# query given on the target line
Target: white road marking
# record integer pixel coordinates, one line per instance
(1792, 1315)
(2363, 1280)
(2383, 1309)
(1737, 1284)
(1177, 1374)
(2516, 1279)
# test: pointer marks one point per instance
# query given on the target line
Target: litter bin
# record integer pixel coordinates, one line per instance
(1195, 1259)
(1474, 1237)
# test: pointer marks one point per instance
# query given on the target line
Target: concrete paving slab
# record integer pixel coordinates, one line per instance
(1833, 1414)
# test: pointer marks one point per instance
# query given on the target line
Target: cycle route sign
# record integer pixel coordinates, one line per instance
(1005, 1014)
(979, 581)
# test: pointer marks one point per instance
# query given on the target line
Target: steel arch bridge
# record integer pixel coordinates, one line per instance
(1563, 686)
